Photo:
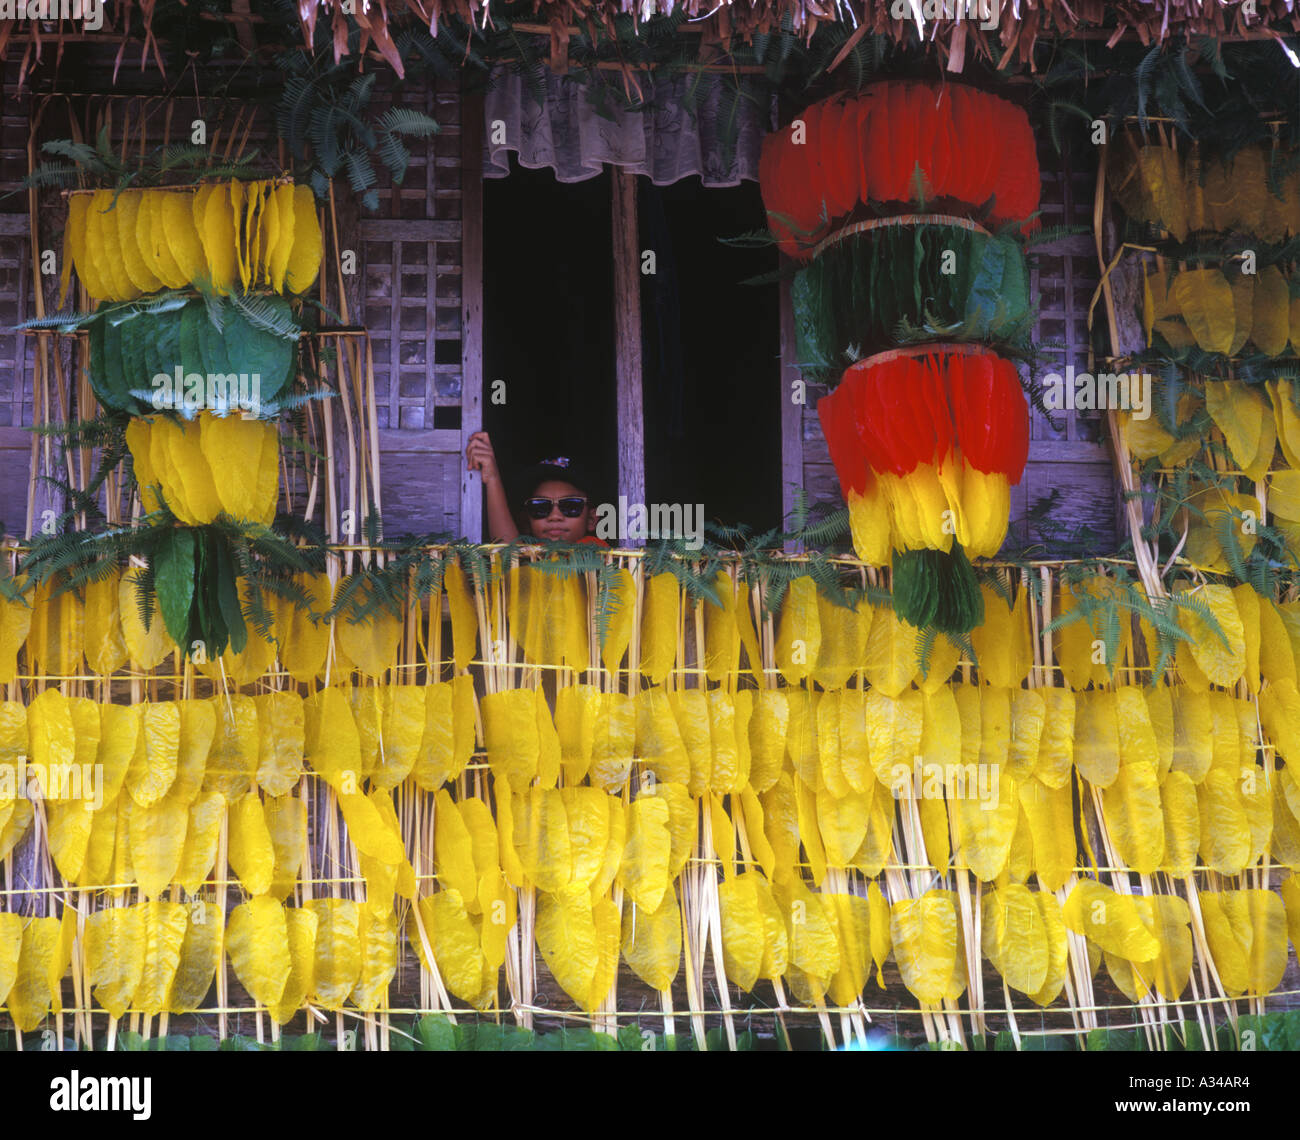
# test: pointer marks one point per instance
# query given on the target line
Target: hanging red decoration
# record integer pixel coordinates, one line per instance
(926, 448)
(969, 145)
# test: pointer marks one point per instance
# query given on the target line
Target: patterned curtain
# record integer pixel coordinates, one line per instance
(677, 133)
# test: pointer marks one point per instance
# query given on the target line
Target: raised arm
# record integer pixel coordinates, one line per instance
(480, 457)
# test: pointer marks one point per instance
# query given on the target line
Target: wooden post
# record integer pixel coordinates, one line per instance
(471, 317)
(627, 338)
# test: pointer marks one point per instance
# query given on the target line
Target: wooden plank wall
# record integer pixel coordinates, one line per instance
(17, 353)
(1071, 457)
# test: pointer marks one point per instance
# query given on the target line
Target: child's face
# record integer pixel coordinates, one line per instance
(555, 527)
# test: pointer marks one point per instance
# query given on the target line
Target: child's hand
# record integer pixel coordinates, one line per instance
(480, 457)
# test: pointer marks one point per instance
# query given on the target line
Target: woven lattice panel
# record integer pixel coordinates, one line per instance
(409, 251)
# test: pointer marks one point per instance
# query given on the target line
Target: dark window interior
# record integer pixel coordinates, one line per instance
(710, 344)
(712, 354)
(548, 324)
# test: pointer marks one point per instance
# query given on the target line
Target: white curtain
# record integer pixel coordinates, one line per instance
(667, 140)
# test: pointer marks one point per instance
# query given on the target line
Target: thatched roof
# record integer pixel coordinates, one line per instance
(1000, 31)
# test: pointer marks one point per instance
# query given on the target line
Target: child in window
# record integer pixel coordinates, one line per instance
(558, 507)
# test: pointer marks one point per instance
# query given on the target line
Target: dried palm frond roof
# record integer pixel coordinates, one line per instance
(999, 31)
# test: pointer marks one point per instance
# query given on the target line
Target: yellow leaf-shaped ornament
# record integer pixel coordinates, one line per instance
(146, 648)
(1238, 411)
(158, 834)
(105, 647)
(924, 936)
(1222, 659)
(456, 945)
(165, 924)
(1131, 808)
(767, 738)
(232, 762)
(257, 941)
(281, 728)
(510, 724)
(286, 823)
(652, 942)
(15, 625)
(568, 939)
(207, 813)
(378, 951)
(464, 621)
(721, 632)
(300, 926)
(1097, 741)
(56, 639)
(244, 451)
(305, 253)
(114, 944)
(332, 744)
(743, 935)
(576, 709)
(1003, 643)
(799, 637)
(814, 949)
(891, 660)
(658, 737)
(249, 847)
(1109, 919)
(645, 870)
(1205, 299)
(402, 713)
(1271, 325)
(541, 838)
(30, 995)
(337, 964)
(618, 598)
(613, 745)
(850, 916)
(369, 642)
(304, 643)
(1225, 829)
(659, 625)
(1050, 812)
(1015, 937)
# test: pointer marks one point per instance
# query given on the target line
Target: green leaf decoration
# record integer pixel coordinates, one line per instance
(937, 589)
(222, 573)
(245, 336)
(908, 283)
(174, 576)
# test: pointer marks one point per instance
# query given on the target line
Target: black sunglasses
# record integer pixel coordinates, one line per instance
(571, 506)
